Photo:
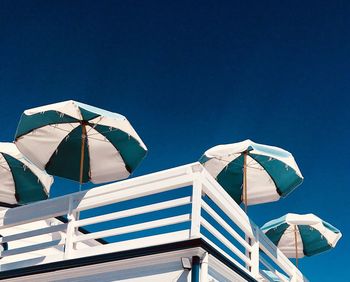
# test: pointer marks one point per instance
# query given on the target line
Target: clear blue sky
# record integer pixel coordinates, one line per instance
(193, 74)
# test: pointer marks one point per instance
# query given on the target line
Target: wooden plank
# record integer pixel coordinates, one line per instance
(33, 248)
(227, 205)
(40, 259)
(133, 228)
(135, 192)
(166, 180)
(134, 244)
(196, 207)
(33, 233)
(59, 206)
(225, 225)
(225, 241)
(225, 254)
(205, 268)
(254, 256)
(225, 272)
(272, 269)
(266, 264)
(34, 212)
(134, 211)
(151, 178)
(230, 208)
(71, 229)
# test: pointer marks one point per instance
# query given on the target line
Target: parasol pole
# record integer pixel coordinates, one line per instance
(245, 196)
(83, 137)
(83, 140)
(245, 199)
(296, 246)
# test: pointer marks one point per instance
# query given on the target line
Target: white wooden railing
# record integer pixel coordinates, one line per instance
(173, 205)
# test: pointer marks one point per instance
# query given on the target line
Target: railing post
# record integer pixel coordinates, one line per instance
(72, 217)
(196, 201)
(204, 268)
(296, 276)
(254, 254)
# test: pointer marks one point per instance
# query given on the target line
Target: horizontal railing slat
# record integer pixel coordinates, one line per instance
(227, 204)
(59, 206)
(225, 254)
(266, 263)
(134, 211)
(133, 228)
(155, 240)
(135, 192)
(151, 178)
(271, 268)
(34, 212)
(226, 226)
(33, 233)
(32, 248)
(30, 261)
(226, 242)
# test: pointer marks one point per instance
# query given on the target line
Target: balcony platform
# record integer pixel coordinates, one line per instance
(153, 224)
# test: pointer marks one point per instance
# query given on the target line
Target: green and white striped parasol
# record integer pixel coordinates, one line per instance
(80, 142)
(253, 173)
(301, 235)
(21, 182)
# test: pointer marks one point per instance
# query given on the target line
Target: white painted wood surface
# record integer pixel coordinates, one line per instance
(158, 268)
(36, 237)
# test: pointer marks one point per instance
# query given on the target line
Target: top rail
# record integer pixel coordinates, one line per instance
(108, 194)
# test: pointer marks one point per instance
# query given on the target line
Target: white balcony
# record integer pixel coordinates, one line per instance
(163, 216)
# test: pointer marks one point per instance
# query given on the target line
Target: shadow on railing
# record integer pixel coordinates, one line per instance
(173, 205)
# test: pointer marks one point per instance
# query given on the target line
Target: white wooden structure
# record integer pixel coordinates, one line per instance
(156, 224)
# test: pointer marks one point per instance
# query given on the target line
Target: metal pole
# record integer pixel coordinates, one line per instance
(195, 269)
